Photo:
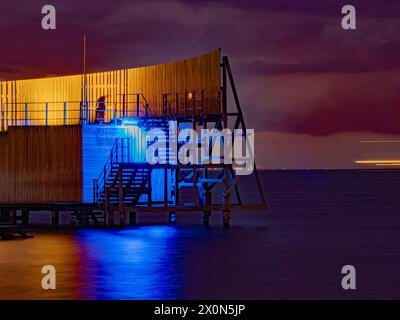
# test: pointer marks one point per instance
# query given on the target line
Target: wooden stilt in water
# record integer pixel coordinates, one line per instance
(109, 209)
(13, 216)
(25, 216)
(110, 216)
(207, 213)
(226, 218)
(171, 217)
(4, 215)
(132, 218)
(55, 218)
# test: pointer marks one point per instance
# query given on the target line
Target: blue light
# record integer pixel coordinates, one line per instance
(139, 263)
(129, 121)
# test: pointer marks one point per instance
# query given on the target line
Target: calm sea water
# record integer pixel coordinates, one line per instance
(318, 221)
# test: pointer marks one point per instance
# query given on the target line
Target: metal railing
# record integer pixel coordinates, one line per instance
(187, 103)
(120, 153)
(70, 112)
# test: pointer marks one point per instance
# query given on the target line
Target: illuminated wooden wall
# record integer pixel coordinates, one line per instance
(41, 164)
(194, 74)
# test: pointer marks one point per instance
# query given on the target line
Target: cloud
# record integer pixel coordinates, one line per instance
(297, 70)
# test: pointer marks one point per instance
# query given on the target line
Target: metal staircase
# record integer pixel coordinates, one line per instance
(118, 173)
(208, 187)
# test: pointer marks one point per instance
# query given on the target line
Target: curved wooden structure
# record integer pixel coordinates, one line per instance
(80, 141)
(28, 101)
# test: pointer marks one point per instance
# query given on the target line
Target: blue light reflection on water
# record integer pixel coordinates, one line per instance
(138, 263)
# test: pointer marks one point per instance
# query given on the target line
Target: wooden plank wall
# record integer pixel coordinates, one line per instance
(194, 74)
(36, 92)
(41, 164)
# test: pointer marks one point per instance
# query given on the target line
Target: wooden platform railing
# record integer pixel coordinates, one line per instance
(71, 112)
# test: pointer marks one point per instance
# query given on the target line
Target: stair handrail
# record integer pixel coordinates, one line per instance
(116, 156)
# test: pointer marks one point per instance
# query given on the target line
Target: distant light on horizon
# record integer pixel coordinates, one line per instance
(377, 141)
(377, 161)
(380, 163)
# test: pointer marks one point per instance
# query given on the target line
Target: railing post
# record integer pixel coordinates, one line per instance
(86, 108)
(129, 150)
(47, 113)
(137, 105)
(123, 105)
(65, 113)
(115, 115)
(2, 118)
(26, 113)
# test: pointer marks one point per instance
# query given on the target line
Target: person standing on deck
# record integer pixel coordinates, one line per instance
(100, 110)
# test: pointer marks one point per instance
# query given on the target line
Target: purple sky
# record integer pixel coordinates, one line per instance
(310, 89)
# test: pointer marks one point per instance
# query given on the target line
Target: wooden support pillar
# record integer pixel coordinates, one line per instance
(227, 217)
(25, 216)
(207, 213)
(55, 218)
(110, 216)
(109, 208)
(122, 216)
(13, 216)
(171, 217)
(132, 218)
(4, 215)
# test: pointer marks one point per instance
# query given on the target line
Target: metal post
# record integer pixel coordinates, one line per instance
(226, 199)
(65, 113)
(26, 114)
(115, 115)
(47, 113)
